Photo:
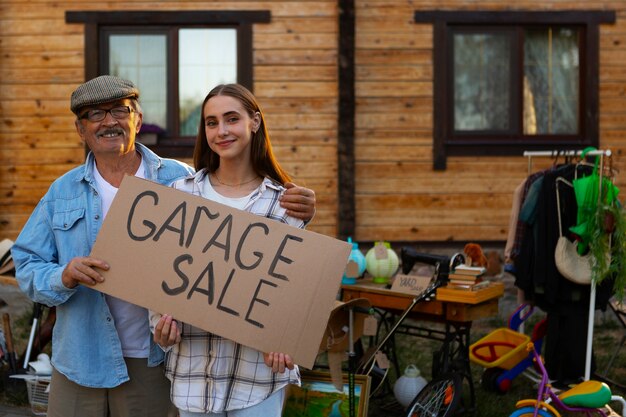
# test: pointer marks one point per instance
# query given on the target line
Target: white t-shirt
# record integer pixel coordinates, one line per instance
(131, 321)
(209, 193)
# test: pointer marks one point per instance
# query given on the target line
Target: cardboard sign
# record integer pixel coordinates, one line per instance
(250, 279)
(410, 284)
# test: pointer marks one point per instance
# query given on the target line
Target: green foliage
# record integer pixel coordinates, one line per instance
(608, 249)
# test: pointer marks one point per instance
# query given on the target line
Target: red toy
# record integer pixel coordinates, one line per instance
(475, 253)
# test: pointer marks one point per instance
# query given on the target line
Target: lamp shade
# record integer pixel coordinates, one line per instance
(408, 385)
(381, 268)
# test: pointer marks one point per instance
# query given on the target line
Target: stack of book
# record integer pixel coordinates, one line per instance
(469, 278)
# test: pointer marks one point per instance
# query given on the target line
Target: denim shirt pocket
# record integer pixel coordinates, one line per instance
(65, 220)
(70, 230)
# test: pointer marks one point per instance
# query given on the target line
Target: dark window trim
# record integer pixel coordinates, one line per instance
(518, 17)
(346, 219)
(189, 17)
(441, 20)
(241, 20)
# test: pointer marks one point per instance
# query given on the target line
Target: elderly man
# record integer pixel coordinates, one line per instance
(105, 362)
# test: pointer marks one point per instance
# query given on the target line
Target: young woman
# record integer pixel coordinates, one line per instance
(211, 375)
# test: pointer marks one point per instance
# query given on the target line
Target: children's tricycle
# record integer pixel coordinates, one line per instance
(503, 351)
(588, 397)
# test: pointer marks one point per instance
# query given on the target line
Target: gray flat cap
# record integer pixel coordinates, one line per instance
(102, 89)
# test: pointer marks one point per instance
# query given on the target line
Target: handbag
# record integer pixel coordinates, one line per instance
(574, 267)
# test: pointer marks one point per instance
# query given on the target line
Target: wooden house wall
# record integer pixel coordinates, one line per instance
(42, 62)
(398, 196)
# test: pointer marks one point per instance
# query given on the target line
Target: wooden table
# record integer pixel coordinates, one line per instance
(433, 310)
(455, 317)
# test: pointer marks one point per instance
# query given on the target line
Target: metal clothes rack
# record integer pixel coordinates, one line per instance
(592, 295)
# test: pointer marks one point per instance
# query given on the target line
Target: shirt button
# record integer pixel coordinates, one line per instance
(97, 216)
(95, 193)
(108, 318)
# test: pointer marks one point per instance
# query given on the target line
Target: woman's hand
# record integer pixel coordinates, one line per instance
(166, 332)
(278, 361)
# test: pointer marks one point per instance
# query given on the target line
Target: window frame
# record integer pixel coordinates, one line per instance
(99, 24)
(445, 143)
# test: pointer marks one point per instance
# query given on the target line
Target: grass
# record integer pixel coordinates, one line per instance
(418, 351)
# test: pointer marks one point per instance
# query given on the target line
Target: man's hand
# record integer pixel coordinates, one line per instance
(299, 201)
(166, 332)
(81, 270)
(278, 361)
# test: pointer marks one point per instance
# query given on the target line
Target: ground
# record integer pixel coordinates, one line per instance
(607, 336)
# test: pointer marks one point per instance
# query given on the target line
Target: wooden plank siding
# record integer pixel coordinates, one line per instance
(42, 61)
(397, 194)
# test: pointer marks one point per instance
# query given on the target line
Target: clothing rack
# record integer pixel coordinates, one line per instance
(556, 153)
(592, 294)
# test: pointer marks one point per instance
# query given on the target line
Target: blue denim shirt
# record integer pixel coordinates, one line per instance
(64, 225)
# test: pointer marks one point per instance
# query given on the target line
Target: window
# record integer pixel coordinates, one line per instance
(174, 58)
(206, 57)
(490, 99)
(506, 82)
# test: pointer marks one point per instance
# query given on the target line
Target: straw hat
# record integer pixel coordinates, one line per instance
(6, 260)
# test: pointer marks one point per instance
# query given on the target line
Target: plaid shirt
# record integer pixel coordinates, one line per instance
(211, 374)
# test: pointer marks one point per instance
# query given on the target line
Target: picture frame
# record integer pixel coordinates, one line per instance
(318, 397)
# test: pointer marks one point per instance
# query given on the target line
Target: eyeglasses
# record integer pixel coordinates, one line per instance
(97, 115)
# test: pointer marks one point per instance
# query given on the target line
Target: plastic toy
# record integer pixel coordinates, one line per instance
(588, 397)
(503, 351)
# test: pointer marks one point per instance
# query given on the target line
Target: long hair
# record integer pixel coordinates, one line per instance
(262, 157)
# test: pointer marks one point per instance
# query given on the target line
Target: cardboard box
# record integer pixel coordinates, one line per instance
(253, 280)
(336, 337)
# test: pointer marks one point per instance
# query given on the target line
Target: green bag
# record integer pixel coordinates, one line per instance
(586, 191)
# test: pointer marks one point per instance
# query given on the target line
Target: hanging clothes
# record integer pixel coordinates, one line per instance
(536, 274)
(536, 271)
(518, 196)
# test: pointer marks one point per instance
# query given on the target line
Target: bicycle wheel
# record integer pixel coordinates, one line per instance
(439, 398)
(529, 412)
